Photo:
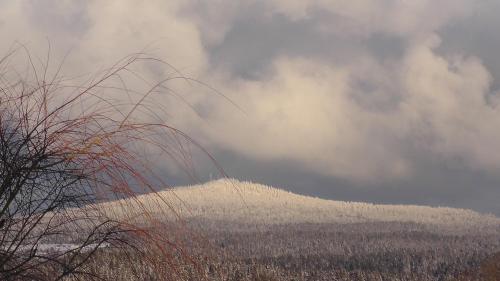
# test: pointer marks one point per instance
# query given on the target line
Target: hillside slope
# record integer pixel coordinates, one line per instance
(245, 202)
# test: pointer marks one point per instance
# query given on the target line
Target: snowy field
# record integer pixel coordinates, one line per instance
(256, 229)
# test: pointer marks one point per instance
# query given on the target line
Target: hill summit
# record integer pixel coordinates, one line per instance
(245, 202)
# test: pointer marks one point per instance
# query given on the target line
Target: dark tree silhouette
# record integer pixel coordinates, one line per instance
(66, 146)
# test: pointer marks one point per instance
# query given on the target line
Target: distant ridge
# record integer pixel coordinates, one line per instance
(245, 202)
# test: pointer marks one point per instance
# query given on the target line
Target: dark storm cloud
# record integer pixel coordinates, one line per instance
(255, 40)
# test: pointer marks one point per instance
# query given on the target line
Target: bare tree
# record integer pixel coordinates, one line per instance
(66, 146)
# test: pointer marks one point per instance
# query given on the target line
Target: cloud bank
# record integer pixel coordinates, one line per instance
(359, 90)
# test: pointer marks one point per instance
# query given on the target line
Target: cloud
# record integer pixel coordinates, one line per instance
(351, 18)
(357, 114)
(362, 17)
(304, 113)
(451, 99)
(366, 121)
(99, 33)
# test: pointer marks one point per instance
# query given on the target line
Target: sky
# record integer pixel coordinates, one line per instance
(387, 101)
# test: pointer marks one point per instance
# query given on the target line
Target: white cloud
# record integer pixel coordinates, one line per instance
(310, 113)
(448, 97)
(304, 113)
(364, 120)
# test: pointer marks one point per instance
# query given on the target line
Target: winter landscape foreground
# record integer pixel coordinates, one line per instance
(256, 232)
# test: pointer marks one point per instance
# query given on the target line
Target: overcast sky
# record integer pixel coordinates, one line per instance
(392, 101)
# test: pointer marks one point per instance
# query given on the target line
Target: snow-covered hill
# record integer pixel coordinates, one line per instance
(245, 202)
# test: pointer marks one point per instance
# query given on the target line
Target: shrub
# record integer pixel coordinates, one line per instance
(66, 145)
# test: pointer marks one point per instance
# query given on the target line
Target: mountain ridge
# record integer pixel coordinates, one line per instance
(245, 202)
